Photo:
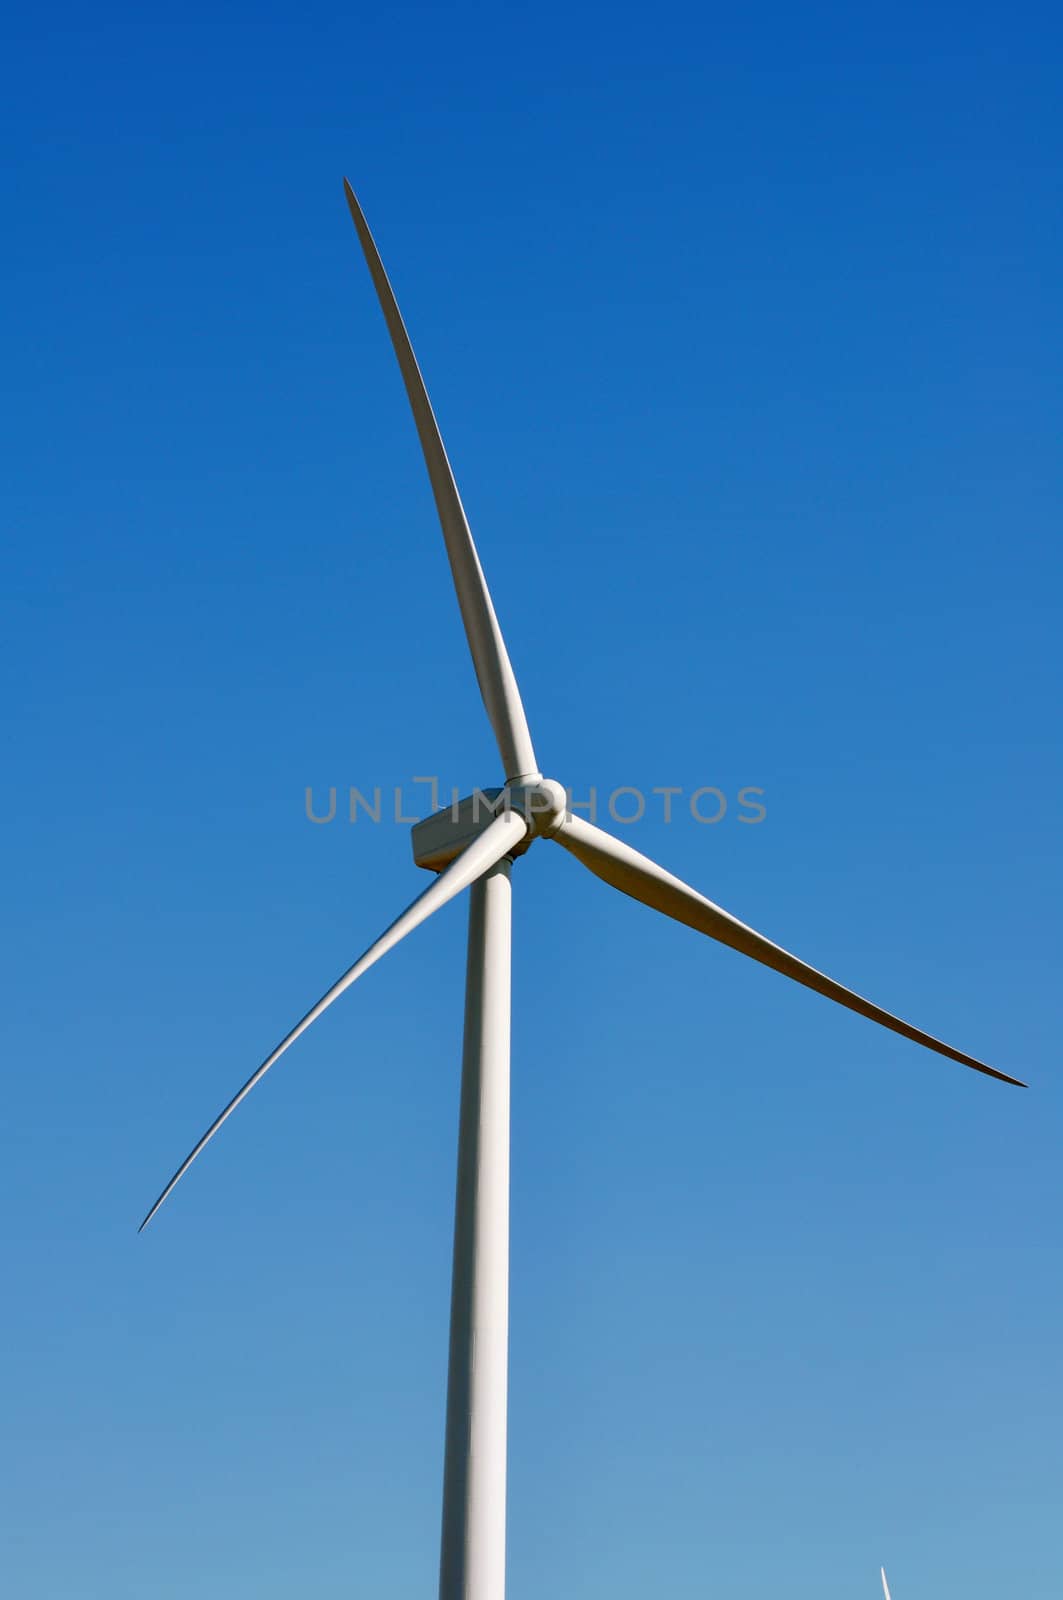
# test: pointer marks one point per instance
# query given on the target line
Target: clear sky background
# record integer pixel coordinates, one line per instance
(743, 327)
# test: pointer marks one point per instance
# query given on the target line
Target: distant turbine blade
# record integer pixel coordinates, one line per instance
(885, 1585)
(501, 836)
(636, 875)
(494, 673)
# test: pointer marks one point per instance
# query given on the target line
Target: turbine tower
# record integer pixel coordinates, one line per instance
(473, 845)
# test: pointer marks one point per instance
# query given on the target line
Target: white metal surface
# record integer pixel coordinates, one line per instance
(498, 685)
(437, 839)
(473, 1555)
(506, 833)
(634, 874)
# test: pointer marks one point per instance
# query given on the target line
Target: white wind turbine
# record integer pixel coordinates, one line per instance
(473, 846)
(885, 1585)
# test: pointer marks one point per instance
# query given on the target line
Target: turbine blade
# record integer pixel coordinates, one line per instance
(498, 685)
(885, 1585)
(501, 836)
(636, 875)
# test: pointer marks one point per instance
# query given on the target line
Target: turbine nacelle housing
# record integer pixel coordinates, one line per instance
(439, 839)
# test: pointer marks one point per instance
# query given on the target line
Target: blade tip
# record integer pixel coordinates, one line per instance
(160, 1202)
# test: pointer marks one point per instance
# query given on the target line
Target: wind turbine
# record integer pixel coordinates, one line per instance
(473, 845)
(885, 1585)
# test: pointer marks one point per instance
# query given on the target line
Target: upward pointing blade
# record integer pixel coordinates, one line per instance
(885, 1585)
(503, 835)
(634, 874)
(494, 673)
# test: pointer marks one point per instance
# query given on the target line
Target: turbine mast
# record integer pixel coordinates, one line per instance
(473, 1556)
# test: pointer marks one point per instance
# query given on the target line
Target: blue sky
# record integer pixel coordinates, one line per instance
(743, 328)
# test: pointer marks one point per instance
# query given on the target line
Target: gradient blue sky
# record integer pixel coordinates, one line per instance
(743, 326)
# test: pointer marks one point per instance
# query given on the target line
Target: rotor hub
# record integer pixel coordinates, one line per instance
(542, 804)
